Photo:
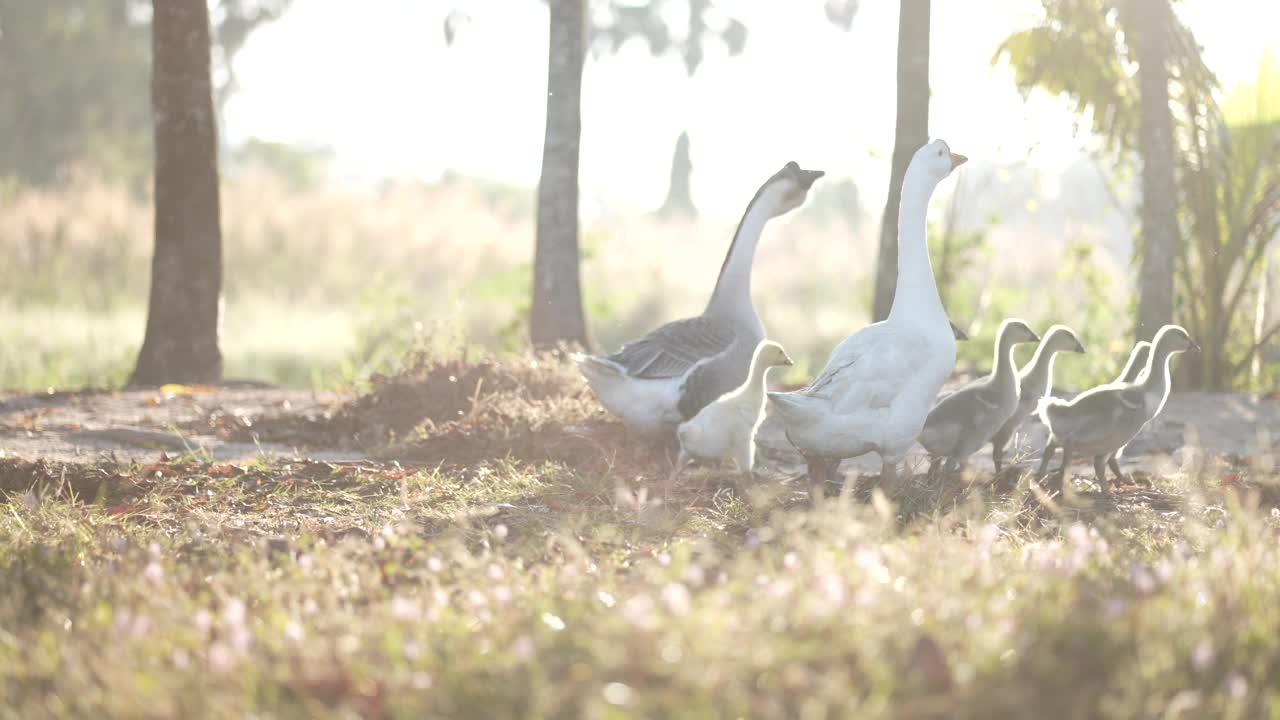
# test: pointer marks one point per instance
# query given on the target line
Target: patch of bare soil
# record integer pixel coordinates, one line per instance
(532, 409)
(136, 425)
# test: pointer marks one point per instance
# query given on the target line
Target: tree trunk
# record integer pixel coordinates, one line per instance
(183, 318)
(1159, 193)
(556, 315)
(679, 202)
(912, 132)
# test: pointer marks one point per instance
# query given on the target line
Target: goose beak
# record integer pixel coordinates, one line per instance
(961, 335)
(809, 177)
(1079, 347)
(786, 360)
(1195, 346)
(958, 160)
(1034, 337)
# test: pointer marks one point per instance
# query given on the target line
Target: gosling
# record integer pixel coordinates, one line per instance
(962, 422)
(726, 428)
(1034, 382)
(1103, 420)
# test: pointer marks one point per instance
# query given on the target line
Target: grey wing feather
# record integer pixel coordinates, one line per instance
(674, 348)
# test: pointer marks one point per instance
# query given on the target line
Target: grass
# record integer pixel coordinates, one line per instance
(495, 576)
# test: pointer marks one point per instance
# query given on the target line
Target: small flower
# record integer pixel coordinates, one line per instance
(522, 648)
(403, 608)
(1202, 655)
(615, 693)
(552, 621)
(677, 599)
(234, 613)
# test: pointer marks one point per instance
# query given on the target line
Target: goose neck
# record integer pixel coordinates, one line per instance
(1158, 377)
(1039, 370)
(917, 291)
(756, 381)
(732, 294)
(1002, 368)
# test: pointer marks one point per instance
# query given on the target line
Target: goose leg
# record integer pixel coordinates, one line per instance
(681, 463)
(997, 453)
(1049, 449)
(1100, 473)
(888, 473)
(1115, 467)
(818, 472)
(934, 462)
(1061, 481)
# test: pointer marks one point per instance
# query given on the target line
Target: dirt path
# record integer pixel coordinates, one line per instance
(137, 425)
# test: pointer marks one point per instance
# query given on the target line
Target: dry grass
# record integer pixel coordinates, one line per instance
(513, 580)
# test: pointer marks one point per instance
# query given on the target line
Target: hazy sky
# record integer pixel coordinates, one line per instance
(379, 86)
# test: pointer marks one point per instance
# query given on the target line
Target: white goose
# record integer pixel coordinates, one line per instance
(879, 383)
(1100, 421)
(667, 376)
(1034, 382)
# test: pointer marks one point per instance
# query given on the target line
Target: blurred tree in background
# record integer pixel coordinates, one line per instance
(73, 82)
(557, 315)
(699, 24)
(1210, 204)
(1152, 26)
(184, 311)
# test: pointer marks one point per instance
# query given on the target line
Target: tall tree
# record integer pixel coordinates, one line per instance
(183, 317)
(1150, 24)
(557, 315)
(911, 133)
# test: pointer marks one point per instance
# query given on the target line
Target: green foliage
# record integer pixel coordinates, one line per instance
(1227, 161)
(74, 82)
(1084, 49)
(1231, 212)
(646, 21)
(301, 168)
(1076, 51)
(74, 87)
(386, 328)
(1093, 318)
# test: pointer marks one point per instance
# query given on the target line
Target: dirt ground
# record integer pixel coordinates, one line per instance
(136, 425)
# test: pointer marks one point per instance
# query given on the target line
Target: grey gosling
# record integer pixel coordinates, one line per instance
(1034, 382)
(1100, 421)
(962, 422)
(1132, 371)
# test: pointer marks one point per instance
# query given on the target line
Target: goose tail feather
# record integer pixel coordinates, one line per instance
(596, 368)
(1045, 407)
(791, 406)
